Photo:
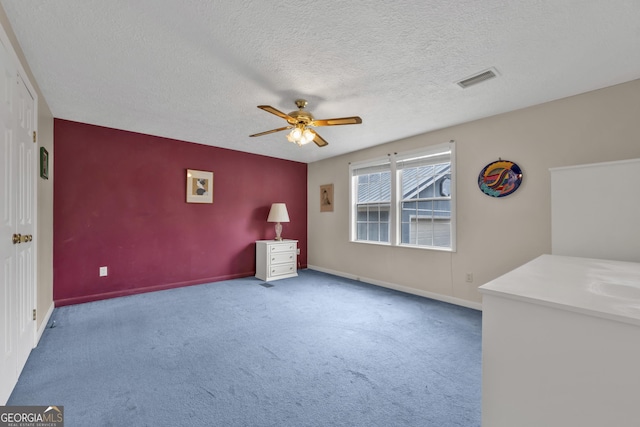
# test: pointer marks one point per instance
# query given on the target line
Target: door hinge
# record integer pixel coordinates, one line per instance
(34, 314)
(34, 136)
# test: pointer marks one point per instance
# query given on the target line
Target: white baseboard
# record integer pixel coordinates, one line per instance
(44, 324)
(405, 289)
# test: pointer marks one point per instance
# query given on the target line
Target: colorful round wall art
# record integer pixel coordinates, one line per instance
(500, 178)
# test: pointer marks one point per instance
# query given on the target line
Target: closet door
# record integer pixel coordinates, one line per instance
(26, 163)
(17, 225)
(8, 249)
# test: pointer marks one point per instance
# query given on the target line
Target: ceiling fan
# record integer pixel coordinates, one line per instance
(301, 121)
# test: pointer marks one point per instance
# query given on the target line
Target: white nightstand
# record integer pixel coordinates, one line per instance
(276, 259)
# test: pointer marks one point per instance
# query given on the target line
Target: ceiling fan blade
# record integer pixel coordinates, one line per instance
(320, 142)
(355, 120)
(271, 131)
(270, 109)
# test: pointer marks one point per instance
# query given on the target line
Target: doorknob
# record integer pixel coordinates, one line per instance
(21, 238)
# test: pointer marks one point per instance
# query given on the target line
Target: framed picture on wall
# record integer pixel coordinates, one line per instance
(44, 163)
(326, 198)
(199, 186)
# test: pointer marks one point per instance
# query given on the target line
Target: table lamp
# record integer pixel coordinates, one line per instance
(278, 214)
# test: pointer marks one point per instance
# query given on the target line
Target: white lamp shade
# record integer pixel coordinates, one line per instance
(278, 213)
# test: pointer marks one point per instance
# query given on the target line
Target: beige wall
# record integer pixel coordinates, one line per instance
(45, 216)
(493, 235)
(44, 235)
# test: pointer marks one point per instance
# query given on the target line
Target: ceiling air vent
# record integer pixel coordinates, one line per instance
(478, 78)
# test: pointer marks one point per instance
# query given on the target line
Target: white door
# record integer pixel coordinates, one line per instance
(25, 198)
(17, 217)
(8, 274)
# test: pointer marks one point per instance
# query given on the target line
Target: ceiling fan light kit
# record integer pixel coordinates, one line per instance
(301, 122)
(300, 135)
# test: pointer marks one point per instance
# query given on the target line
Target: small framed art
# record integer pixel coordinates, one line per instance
(500, 178)
(326, 198)
(44, 163)
(199, 186)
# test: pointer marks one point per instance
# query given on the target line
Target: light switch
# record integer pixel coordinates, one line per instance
(103, 271)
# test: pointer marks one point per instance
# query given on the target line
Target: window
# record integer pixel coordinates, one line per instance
(373, 201)
(406, 199)
(425, 200)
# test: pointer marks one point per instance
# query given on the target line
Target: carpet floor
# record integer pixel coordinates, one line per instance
(315, 350)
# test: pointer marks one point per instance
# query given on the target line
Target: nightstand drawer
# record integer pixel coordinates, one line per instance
(281, 257)
(278, 270)
(284, 247)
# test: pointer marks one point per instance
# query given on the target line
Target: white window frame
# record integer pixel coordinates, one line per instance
(378, 164)
(396, 195)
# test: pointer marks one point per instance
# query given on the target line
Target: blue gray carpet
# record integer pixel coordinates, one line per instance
(316, 350)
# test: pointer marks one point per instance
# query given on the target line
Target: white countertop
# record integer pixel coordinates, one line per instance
(602, 288)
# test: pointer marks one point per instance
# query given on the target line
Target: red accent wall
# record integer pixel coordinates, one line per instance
(119, 201)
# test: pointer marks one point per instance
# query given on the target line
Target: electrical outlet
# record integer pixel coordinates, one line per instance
(298, 251)
(469, 277)
(103, 271)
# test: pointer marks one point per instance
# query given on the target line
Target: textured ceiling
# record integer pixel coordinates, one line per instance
(195, 70)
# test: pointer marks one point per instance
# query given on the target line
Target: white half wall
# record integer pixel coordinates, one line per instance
(595, 210)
